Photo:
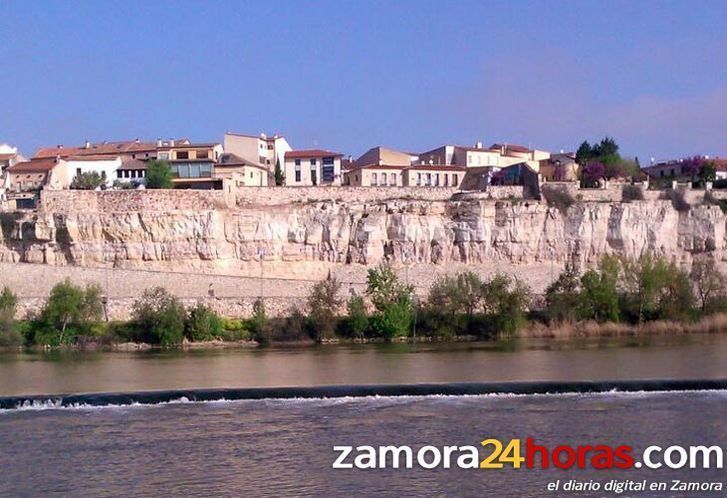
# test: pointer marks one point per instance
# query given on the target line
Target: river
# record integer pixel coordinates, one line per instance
(283, 447)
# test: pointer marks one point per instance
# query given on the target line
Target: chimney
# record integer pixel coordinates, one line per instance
(59, 146)
(159, 142)
(87, 145)
(171, 142)
(478, 145)
(263, 136)
(136, 141)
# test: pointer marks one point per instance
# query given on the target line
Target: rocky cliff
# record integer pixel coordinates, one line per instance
(167, 235)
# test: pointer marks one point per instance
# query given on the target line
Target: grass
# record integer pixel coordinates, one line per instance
(712, 324)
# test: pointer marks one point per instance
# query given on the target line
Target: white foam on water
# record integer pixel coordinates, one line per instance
(57, 403)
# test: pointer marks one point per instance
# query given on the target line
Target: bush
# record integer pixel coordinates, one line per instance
(632, 193)
(356, 322)
(70, 311)
(203, 324)
(89, 180)
(711, 200)
(560, 199)
(259, 325)
(324, 303)
(9, 331)
(158, 318)
(678, 201)
(392, 301)
(158, 175)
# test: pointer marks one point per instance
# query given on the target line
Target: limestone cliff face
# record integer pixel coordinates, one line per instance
(430, 232)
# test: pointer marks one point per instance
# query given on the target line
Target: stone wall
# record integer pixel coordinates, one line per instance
(247, 196)
(111, 201)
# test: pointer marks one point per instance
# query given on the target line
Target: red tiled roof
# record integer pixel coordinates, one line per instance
(34, 165)
(310, 154)
(109, 148)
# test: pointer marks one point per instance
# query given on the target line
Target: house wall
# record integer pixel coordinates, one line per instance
(306, 179)
(105, 168)
(373, 177)
(252, 149)
(446, 177)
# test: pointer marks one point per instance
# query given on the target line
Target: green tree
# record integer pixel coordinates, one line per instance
(392, 301)
(203, 324)
(599, 297)
(562, 297)
(9, 334)
(159, 317)
(324, 303)
(158, 175)
(259, 323)
(357, 319)
(584, 154)
(279, 177)
(88, 180)
(710, 283)
(70, 311)
(505, 301)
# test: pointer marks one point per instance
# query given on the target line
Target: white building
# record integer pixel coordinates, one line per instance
(260, 149)
(103, 165)
(306, 168)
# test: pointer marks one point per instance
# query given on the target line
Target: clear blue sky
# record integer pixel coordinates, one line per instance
(348, 75)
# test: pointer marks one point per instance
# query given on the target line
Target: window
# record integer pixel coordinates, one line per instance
(297, 162)
(455, 181)
(297, 171)
(202, 154)
(163, 155)
(328, 170)
(312, 162)
(419, 178)
(374, 178)
(119, 173)
(429, 179)
(383, 179)
(446, 180)
(392, 180)
(270, 147)
(182, 154)
(78, 171)
(436, 180)
(313, 173)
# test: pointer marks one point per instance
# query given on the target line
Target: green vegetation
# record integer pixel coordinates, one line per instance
(560, 199)
(618, 293)
(9, 332)
(158, 175)
(89, 180)
(279, 176)
(158, 318)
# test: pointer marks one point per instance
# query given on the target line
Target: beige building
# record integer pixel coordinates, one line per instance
(495, 156)
(26, 179)
(240, 172)
(389, 175)
(260, 149)
(305, 168)
(383, 155)
(192, 164)
(559, 167)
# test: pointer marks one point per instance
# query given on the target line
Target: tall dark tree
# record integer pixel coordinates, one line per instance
(279, 177)
(584, 153)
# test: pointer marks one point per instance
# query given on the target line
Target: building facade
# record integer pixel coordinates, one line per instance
(307, 168)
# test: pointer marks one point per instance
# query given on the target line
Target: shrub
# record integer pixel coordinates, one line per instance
(202, 324)
(88, 180)
(632, 193)
(259, 325)
(158, 318)
(678, 201)
(69, 312)
(557, 198)
(562, 297)
(234, 330)
(710, 284)
(356, 322)
(711, 200)
(392, 301)
(9, 331)
(505, 302)
(324, 303)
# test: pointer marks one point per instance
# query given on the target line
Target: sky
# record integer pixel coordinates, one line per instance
(349, 75)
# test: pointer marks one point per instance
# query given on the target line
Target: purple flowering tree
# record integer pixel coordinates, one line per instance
(593, 172)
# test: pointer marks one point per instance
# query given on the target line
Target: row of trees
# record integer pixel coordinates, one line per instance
(636, 290)
(158, 175)
(617, 290)
(602, 161)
